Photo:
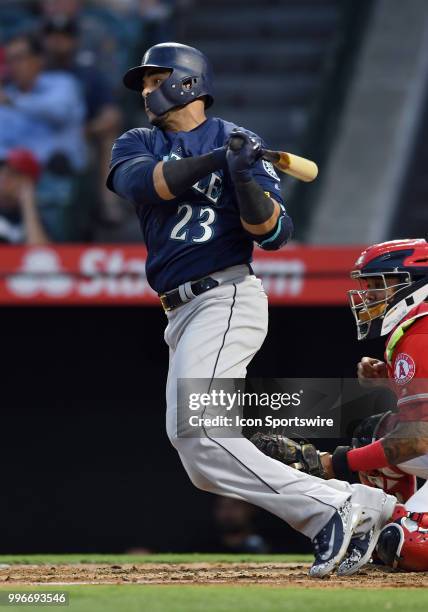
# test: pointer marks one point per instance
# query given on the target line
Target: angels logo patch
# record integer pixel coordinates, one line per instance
(404, 369)
(268, 167)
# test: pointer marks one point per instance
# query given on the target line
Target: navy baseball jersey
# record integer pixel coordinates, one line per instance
(200, 231)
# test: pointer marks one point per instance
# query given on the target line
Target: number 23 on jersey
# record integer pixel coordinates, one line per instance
(186, 231)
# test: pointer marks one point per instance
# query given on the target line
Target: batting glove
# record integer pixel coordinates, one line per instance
(243, 151)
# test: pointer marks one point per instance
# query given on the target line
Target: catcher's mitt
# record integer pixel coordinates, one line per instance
(300, 456)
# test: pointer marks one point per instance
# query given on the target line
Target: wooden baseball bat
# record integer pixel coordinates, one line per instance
(298, 167)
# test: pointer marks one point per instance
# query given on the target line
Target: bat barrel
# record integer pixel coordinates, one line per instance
(299, 167)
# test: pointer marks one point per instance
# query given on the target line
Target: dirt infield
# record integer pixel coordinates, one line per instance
(275, 574)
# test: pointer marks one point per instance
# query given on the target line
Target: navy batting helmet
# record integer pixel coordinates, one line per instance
(190, 78)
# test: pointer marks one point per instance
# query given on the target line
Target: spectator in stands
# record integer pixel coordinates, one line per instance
(235, 525)
(103, 116)
(105, 37)
(19, 218)
(157, 21)
(233, 529)
(64, 8)
(2, 65)
(114, 32)
(41, 111)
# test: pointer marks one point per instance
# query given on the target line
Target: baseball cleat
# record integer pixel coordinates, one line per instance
(362, 545)
(331, 543)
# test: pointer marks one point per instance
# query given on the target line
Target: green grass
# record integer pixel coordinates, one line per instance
(213, 598)
(184, 598)
(158, 558)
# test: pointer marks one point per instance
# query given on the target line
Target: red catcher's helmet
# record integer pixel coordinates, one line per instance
(403, 543)
(393, 278)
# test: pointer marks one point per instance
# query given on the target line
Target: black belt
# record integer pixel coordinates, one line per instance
(172, 299)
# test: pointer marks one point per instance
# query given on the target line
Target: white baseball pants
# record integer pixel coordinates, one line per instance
(216, 334)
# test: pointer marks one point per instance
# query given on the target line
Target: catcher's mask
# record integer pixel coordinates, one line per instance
(372, 428)
(393, 279)
(190, 78)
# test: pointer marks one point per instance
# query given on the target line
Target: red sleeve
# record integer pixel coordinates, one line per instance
(410, 373)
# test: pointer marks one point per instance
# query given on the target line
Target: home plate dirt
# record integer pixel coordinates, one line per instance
(275, 574)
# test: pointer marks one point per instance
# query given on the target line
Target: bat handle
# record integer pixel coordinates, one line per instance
(236, 143)
(272, 156)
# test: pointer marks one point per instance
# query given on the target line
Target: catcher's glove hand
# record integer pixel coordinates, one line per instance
(300, 456)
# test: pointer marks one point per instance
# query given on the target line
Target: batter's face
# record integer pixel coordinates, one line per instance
(152, 80)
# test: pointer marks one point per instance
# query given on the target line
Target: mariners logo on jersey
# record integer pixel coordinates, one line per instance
(404, 369)
(268, 167)
(210, 186)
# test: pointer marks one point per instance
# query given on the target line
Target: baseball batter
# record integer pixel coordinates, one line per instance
(201, 206)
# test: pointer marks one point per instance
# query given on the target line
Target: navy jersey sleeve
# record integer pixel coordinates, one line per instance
(131, 145)
(279, 235)
(265, 175)
(131, 168)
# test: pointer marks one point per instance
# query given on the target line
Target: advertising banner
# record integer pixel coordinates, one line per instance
(115, 275)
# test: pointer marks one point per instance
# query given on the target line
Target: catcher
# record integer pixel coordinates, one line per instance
(388, 450)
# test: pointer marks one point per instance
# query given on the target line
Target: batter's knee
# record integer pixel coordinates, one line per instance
(199, 481)
(191, 436)
(172, 436)
(188, 450)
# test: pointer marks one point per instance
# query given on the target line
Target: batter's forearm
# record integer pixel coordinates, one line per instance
(260, 229)
(262, 217)
(175, 176)
(257, 210)
(145, 181)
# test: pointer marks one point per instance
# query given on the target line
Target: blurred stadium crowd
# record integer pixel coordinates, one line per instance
(61, 107)
(62, 103)
(338, 81)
